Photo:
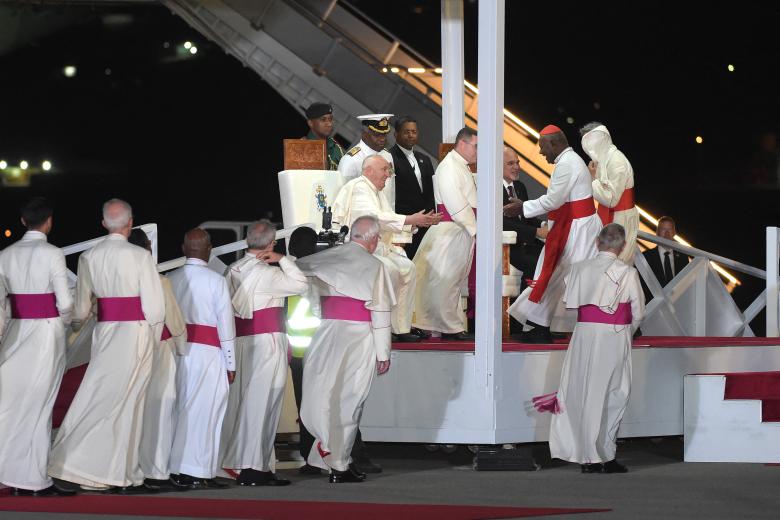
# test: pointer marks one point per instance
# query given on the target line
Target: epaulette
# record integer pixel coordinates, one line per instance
(353, 151)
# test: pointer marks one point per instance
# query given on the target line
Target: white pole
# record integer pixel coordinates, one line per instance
(772, 258)
(452, 69)
(489, 222)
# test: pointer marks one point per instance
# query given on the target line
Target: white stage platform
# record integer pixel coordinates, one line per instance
(431, 394)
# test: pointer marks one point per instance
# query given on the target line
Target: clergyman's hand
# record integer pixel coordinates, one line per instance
(269, 257)
(231, 376)
(514, 208)
(382, 367)
(592, 166)
(542, 231)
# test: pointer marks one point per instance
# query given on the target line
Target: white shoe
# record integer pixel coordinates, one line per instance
(95, 488)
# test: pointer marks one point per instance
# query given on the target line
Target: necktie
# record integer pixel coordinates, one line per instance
(668, 268)
(511, 190)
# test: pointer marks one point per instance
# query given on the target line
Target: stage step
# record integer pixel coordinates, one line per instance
(732, 417)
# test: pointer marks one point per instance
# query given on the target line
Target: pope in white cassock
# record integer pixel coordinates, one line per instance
(351, 291)
(205, 371)
(98, 443)
(365, 195)
(255, 402)
(35, 308)
(573, 226)
(372, 142)
(158, 421)
(445, 256)
(613, 184)
(596, 373)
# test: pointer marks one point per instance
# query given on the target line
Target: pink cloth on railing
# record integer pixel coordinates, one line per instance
(126, 308)
(263, 321)
(592, 314)
(33, 306)
(344, 308)
(547, 403)
(203, 334)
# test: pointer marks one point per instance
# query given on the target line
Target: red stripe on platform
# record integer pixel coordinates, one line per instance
(641, 342)
(269, 509)
(763, 386)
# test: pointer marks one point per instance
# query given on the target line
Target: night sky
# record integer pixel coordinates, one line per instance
(188, 139)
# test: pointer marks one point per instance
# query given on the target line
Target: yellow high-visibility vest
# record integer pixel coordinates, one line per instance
(301, 324)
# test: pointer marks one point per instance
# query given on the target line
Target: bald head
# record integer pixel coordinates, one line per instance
(197, 244)
(365, 231)
(511, 165)
(377, 170)
(117, 217)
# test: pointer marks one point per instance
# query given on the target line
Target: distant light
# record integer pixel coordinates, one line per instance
(166, 45)
(699, 139)
(69, 71)
(395, 70)
(416, 70)
(3, 165)
(187, 45)
(7, 233)
(384, 69)
(437, 70)
(570, 120)
(107, 72)
(23, 164)
(731, 68)
(193, 50)
(46, 165)
(596, 105)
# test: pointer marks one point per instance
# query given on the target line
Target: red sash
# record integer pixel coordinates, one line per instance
(344, 308)
(203, 334)
(556, 241)
(607, 215)
(127, 308)
(592, 314)
(263, 321)
(33, 306)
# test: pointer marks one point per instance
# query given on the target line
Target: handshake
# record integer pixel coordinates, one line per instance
(423, 218)
(513, 208)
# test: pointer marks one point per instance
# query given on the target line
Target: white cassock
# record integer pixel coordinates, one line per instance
(613, 187)
(596, 374)
(444, 257)
(201, 374)
(351, 167)
(570, 184)
(352, 293)
(255, 402)
(360, 197)
(99, 439)
(35, 308)
(157, 434)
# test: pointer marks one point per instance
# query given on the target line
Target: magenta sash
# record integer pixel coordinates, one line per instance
(166, 334)
(344, 308)
(445, 215)
(120, 309)
(592, 314)
(33, 306)
(263, 321)
(203, 334)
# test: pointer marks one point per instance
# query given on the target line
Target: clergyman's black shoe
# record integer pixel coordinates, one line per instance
(591, 468)
(188, 480)
(253, 477)
(537, 336)
(458, 336)
(424, 334)
(406, 338)
(342, 477)
(135, 490)
(51, 491)
(614, 467)
(308, 469)
(214, 483)
(165, 485)
(355, 470)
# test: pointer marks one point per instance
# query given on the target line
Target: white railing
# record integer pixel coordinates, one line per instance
(697, 303)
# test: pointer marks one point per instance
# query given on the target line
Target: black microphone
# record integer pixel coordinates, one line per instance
(343, 232)
(327, 216)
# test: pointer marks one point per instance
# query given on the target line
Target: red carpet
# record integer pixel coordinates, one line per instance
(757, 385)
(269, 509)
(68, 388)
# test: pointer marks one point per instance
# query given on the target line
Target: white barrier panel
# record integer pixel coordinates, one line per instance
(305, 193)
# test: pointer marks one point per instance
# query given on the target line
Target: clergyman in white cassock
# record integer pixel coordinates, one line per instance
(35, 308)
(98, 442)
(372, 142)
(613, 184)
(255, 402)
(351, 291)
(365, 196)
(596, 375)
(444, 258)
(158, 419)
(204, 373)
(573, 226)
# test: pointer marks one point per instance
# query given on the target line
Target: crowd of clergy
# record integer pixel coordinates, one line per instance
(187, 371)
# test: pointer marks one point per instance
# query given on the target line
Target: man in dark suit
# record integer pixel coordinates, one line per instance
(413, 177)
(523, 255)
(664, 262)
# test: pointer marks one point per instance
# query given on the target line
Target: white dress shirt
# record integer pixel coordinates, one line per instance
(413, 161)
